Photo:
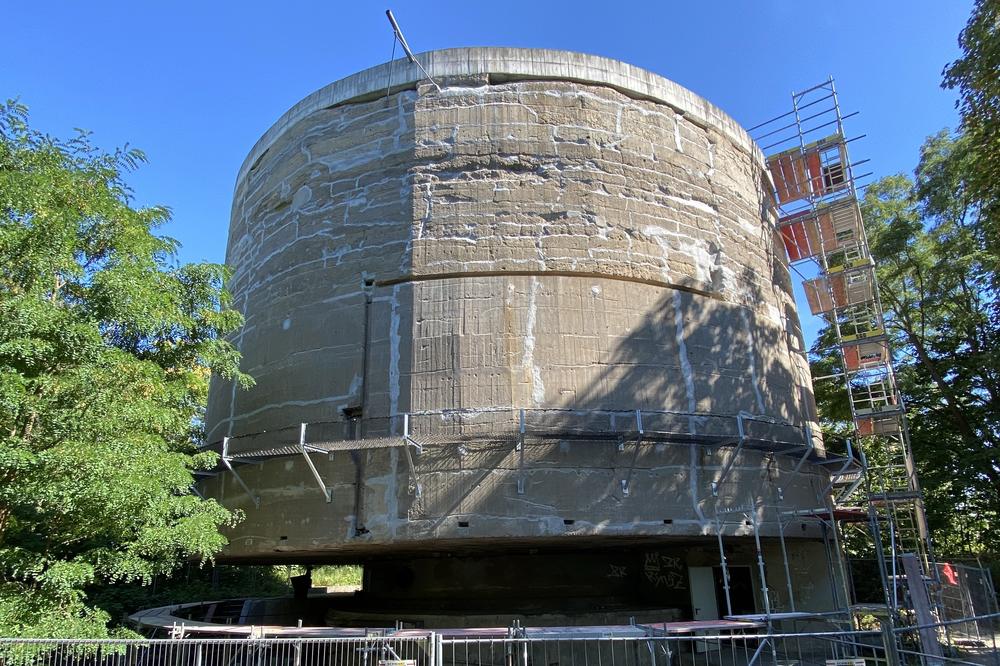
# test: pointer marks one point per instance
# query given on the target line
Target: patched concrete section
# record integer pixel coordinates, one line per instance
(550, 232)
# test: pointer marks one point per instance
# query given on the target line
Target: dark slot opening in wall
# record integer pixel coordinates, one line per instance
(463, 523)
(568, 521)
(352, 418)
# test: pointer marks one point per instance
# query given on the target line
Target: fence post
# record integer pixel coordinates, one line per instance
(438, 649)
(890, 645)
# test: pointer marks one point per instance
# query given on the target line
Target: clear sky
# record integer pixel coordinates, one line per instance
(194, 84)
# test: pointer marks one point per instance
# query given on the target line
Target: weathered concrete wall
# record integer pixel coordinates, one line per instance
(549, 232)
(469, 496)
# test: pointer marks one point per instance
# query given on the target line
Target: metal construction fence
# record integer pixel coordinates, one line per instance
(826, 648)
(756, 649)
(968, 640)
(899, 647)
(361, 651)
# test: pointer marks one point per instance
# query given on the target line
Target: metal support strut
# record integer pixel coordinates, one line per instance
(304, 449)
(226, 461)
(732, 459)
(409, 456)
(627, 481)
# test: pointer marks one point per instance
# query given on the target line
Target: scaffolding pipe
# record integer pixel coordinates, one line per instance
(722, 564)
(784, 560)
(752, 514)
(839, 552)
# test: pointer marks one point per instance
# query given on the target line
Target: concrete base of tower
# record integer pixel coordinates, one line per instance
(600, 585)
(666, 581)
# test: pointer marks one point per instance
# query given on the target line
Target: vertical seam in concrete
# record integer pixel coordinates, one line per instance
(693, 481)
(751, 357)
(391, 498)
(394, 353)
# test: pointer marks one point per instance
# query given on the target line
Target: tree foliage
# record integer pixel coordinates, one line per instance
(106, 346)
(976, 76)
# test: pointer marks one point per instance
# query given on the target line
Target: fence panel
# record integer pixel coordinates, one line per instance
(821, 649)
(361, 651)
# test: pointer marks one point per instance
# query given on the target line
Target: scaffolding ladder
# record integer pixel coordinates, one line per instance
(815, 195)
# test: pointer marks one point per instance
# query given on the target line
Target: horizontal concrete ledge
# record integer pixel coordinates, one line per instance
(587, 275)
(512, 63)
(381, 551)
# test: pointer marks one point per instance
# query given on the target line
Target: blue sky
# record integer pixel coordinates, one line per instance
(195, 84)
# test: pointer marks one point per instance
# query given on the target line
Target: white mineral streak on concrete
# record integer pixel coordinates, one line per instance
(693, 203)
(678, 140)
(752, 229)
(428, 201)
(292, 403)
(752, 360)
(697, 249)
(394, 337)
(775, 315)
(343, 297)
(302, 196)
(356, 383)
(662, 238)
(686, 371)
(528, 360)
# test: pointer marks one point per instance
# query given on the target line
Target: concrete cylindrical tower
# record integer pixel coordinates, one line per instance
(553, 238)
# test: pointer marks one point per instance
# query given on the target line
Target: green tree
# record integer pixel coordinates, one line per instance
(976, 76)
(935, 271)
(106, 346)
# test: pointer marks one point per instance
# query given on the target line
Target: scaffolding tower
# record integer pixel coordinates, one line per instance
(820, 225)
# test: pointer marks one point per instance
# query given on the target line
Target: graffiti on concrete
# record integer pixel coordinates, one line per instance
(664, 571)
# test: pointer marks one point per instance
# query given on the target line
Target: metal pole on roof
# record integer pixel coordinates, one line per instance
(406, 47)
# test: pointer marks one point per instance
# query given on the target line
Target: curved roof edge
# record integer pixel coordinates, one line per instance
(515, 62)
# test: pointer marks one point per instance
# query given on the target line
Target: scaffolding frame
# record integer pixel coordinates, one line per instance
(821, 226)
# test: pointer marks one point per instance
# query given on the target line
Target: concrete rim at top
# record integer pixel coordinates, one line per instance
(522, 63)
